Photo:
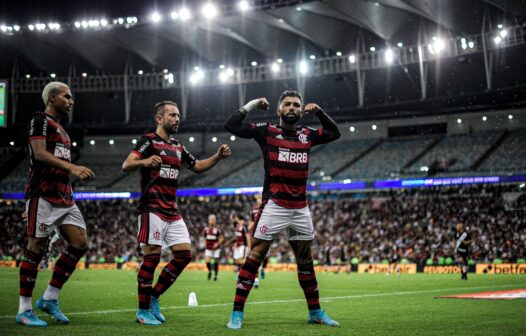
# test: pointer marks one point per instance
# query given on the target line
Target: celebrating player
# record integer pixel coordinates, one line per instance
(50, 205)
(286, 153)
(159, 158)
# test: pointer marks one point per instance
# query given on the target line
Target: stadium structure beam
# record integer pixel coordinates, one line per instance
(360, 74)
(422, 67)
(15, 75)
(127, 93)
(325, 66)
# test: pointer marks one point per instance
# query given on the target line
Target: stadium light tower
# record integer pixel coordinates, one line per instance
(197, 77)
(389, 56)
(155, 17)
(243, 6)
(437, 46)
(303, 67)
(209, 11)
(185, 14)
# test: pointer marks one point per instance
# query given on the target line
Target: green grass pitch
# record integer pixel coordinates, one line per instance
(102, 302)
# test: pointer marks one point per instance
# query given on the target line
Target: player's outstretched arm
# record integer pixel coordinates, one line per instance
(203, 165)
(38, 147)
(133, 162)
(330, 131)
(235, 125)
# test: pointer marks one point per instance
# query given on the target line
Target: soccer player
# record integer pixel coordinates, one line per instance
(286, 154)
(214, 239)
(50, 205)
(462, 249)
(242, 245)
(159, 158)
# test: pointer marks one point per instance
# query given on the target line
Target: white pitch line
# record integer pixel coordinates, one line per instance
(326, 299)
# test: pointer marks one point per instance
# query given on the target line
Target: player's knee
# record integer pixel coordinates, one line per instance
(186, 258)
(257, 255)
(37, 246)
(80, 244)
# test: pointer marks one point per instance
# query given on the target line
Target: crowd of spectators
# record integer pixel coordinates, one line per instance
(416, 224)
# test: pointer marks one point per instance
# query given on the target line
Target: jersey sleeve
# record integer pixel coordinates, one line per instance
(38, 127)
(236, 126)
(187, 159)
(143, 148)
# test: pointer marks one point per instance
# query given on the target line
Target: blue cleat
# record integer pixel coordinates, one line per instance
(144, 316)
(236, 320)
(319, 316)
(156, 310)
(28, 318)
(51, 307)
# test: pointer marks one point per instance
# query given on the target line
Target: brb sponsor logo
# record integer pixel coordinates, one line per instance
(62, 152)
(168, 172)
(285, 155)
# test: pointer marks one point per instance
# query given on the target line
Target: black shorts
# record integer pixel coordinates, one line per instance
(463, 255)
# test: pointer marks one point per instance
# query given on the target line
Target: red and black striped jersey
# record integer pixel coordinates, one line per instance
(159, 185)
(241, 234)
(51, 183)
(212, 235)
(286, 155)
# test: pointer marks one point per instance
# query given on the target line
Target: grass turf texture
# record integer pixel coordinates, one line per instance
(103, 302)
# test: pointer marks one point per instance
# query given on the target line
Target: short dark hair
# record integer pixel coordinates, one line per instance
(289, 94)
(158, 109)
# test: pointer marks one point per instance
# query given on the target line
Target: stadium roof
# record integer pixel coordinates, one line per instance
(319, 28)
(271, 30)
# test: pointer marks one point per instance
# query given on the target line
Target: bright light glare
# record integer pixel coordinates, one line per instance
(209, 11)
(196, 77)
(243, 6)
(389, 56)
(437, 46)
(352, 59)
(156, 17)
(185, 14)
(274, 67)
(304, 67)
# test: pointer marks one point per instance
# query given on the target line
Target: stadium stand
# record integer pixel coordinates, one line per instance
(509, 156)
(418, 221)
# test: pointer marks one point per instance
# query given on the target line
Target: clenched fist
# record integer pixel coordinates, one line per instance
(260, 104)
(153, 161)
(311, 108)
(224, 151)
